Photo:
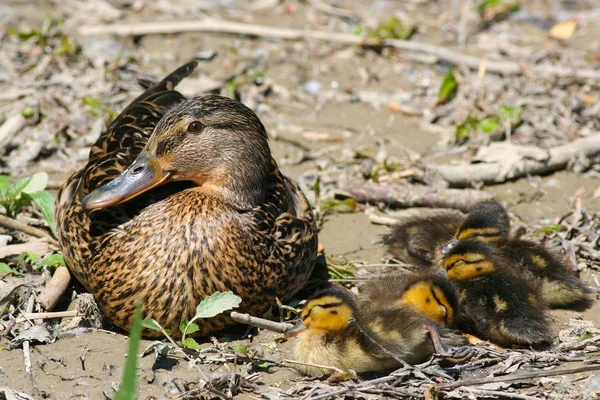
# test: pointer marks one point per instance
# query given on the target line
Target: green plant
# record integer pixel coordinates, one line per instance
(211, 306)
(128, 385)
(393, 29)
(16, 195)
(48, 37)
(490, 123)
(5, 269)
(98, 109)
(448, 87)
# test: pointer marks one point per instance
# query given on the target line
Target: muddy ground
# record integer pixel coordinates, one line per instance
(312, 131)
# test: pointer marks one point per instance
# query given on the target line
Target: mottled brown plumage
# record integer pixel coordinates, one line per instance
(180, 199)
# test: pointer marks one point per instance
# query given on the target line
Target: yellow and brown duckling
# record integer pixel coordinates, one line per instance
(180, 199)
(420, 233)
(495, 303)
(335, 330)
(430, 294)
(560, 287)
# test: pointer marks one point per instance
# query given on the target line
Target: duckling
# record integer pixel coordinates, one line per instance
(334, 330)
(419, 234)
(181, 198)
(495, 303)
(430, 294)
(560, 287)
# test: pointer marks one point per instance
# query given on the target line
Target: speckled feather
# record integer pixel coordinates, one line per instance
(174, 245)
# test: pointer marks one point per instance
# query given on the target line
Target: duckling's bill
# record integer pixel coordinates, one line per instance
(142, 175)
(296, 329)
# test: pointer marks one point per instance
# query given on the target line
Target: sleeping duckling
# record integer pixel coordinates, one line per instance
(420, 233)
(494, 302)
(560, 287)
(333, 330)
(430, 294)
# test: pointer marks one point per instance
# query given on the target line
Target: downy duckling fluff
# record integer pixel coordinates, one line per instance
(430, 294)
(181, 198)
(420, 233)
(494, 302)
(333, 330)
(560, 287)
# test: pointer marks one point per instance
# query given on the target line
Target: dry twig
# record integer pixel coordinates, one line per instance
(55, 288)
(279, 327)
(442, 53)
(23, 227)
(415, 196)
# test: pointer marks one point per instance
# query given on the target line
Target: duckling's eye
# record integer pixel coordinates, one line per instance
(195, 127)
(459, 263)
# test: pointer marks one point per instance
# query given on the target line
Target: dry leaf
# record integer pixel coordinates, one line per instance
(563, 30)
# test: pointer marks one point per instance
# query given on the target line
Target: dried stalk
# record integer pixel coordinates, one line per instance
(23, 227)
(415, 196)
(442, 53)
(55, 288)
(279, 327)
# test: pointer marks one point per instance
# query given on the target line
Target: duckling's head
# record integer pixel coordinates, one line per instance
(434, 297)
(328, 311)
(213, 141)
(470, 259)
(488, 222)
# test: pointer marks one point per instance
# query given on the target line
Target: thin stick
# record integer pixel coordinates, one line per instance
(514, 377)
(26, 354)
(315, 365)
(500, 394)
(442, 53)
(354, 387)
(49, 315)
(279, 327)
(23, 227)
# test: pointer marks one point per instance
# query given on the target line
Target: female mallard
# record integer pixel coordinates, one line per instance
(180, 199)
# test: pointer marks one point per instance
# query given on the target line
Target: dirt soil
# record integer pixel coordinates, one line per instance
(307, 123)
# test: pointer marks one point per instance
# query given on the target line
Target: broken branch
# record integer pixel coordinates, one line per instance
(442, 53)
(55, 288)
(511, 167)
(23, 227)
(279, 327)
(416, 196)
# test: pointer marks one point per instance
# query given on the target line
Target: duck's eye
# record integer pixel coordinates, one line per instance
(459, 263)
(195, 127)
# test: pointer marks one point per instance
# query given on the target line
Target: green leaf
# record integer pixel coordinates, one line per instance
(448, 86)
(38, 182)
(190, 343)
(192, 328)
(217, 303)
(5, 269)
(240, 348)
(45, 202)
(549, 229)
(264, 365)
(339, 206)
(54, 259)
(4, 185)
(127, 389)
(149, 323)
(512, 114)
(14, 191)
(28, 112)
(393, 29)
(488, 125)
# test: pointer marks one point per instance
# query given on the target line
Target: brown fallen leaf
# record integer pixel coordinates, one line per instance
(563, 30)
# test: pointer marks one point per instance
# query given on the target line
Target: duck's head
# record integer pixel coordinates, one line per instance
(470, 259)
(488, 222)
(213, 141)
(434, 298)
(328, 311)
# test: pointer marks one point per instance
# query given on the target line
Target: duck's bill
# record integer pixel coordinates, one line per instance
(446, 249)
(144, 174)
(296, 329)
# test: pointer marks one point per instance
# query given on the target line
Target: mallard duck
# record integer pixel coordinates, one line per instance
(335, 330)
(495, 303)
(431, 294)
(420, 233)
(560, 287)
(180, 199)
